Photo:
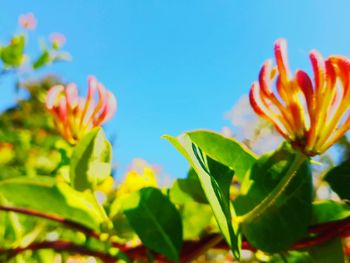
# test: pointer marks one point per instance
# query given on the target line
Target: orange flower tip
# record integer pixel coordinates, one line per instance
(338, 58)
(101, 89)
(92, 80)
(281, 42)
(52, 96)
(340, 62)
(253, 94)
(112, 105)
(330, 73)
(316, 58)
(281, 57)
(265, 77)
(71, 93)
(266, 69)
(92, 86)
(281, 47)
(304, 81)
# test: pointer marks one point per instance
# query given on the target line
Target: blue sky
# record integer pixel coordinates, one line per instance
(176, 65)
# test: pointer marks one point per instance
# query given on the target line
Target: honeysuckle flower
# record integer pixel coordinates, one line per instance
(27, 21)
(57, 40)
(311, 115)
(74, 115)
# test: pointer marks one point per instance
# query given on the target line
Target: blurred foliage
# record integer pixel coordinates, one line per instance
(30, 144)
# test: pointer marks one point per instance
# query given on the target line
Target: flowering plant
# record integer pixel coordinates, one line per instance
(75, 116)
(59, 200)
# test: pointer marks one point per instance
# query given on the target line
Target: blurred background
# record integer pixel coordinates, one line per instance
(173, 65)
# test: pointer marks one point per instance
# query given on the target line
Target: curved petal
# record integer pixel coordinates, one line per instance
(53, 95)
(282, 59)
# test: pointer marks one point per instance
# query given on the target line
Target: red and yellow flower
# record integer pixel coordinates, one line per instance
(311, 115)
(74, 115)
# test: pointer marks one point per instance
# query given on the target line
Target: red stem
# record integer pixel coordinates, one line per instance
(68, 223)
(59, 246)
(191, 249)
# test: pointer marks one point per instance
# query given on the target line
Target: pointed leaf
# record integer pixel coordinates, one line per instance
(156, 221)
(276, 201)
(215, 179)
(192, 186)
(13, 54)
(326, 211)
(224, 150)
(42, 60)
(46, 195)
(339, 180)
(91, 160)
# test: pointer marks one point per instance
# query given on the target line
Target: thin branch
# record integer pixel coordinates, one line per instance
(191, 249)
(338, 228)
(68, 223)
(59, 246)
(326, 232)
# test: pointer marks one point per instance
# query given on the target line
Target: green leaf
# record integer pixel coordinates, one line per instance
(326, 211)
(42, 60)
(189, 208)
(91, 160)
(224, 150)
(62, 56)
(330, 252)
(156, 221)
(291, 257)
(192, 186)
(339, 180)
(215, 179)
(46, 195)
(276, 201)
(13, 54)
(195, 219)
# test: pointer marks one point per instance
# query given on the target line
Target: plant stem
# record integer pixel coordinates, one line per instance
(277, 191)
(71, 224)
(59, 246)
(200, 249)
(192, 249)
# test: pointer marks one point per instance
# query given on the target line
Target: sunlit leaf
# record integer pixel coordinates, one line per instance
(42, 60)
(195, 216)
(215, 179)
(192, 186)
(46, 195)
(325, 211)
(156, 221)
(91, 160)
(224, 150)
(278, 201)
(13, 54)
